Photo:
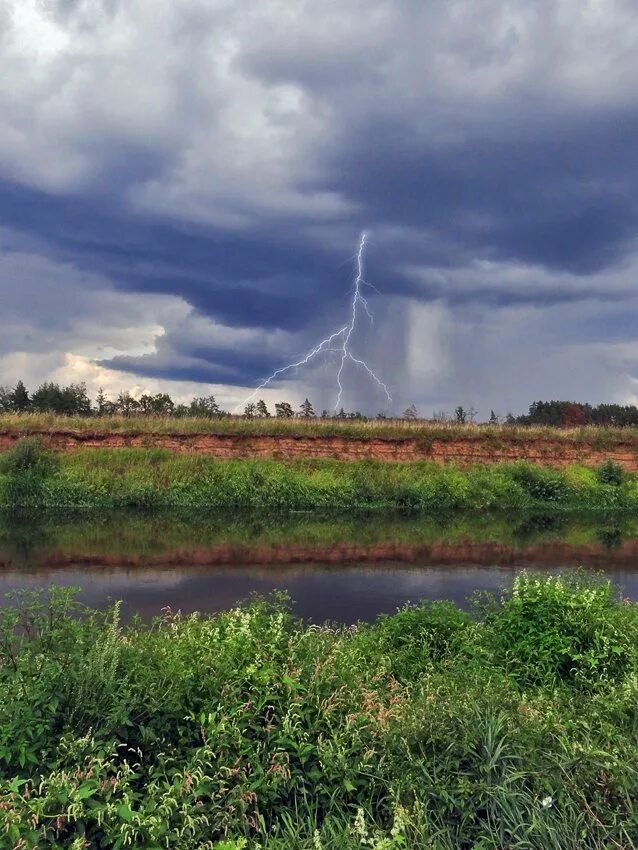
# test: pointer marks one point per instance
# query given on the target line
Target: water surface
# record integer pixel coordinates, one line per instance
(340, 569)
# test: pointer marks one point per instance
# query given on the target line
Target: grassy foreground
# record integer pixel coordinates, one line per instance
(156, 478)
(433, 729)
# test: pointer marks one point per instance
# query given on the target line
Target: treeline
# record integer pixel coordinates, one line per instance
(73, 400)
(570, 414)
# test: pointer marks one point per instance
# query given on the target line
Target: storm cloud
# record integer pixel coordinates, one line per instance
(183, 183)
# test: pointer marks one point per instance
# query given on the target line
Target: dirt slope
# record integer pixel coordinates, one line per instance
(462, 451)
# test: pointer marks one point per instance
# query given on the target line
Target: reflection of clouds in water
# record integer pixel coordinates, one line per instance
(318, 592)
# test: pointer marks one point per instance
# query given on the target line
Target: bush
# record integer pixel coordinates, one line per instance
(28, 455)
(610, 472)
(563, 629)
(541, 483)
(249, 729)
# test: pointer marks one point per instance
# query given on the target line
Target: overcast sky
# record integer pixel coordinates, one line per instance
(183, 184)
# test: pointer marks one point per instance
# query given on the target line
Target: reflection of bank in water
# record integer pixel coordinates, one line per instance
(333, 568)
(155, 539)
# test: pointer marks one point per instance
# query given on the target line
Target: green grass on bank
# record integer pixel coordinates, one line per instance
(512, 728)
(156, 478)
(424, 431)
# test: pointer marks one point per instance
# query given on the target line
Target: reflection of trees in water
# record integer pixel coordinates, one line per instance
(536, 525)
(24, 537)
(610, 536)
(27, 539)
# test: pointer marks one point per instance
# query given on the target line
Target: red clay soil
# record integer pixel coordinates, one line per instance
(487, 553)
(462, 451)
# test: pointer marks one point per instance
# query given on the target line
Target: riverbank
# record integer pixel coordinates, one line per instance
(430, 728)
(157, 478)
(345, 440)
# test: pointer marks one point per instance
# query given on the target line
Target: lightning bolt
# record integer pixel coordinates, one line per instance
(344, 334)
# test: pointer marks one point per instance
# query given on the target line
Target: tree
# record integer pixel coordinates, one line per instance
(205, 406)
(20, 398)
(162, 404)
(341, 414)
(460, 415)
(249, 410)
(307, 410)
(325, 414)
(471, 413)
(126, 405)
(283, 410)
(493, 418)
(146, 404)
(410, 412)
(5, 400)
(100, 402)
(262, 409)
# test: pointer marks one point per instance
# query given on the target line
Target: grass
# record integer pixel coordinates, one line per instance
(514, 727)
(157, 478)
(392, 429)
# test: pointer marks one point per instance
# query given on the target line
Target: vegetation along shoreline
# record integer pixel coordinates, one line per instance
(510, 726)
(34, 477)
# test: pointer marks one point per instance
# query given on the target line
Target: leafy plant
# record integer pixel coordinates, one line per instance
(250, 729)
(610, 472)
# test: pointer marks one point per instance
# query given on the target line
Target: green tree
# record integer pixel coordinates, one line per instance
(262, 409)
(250, 410)
(6, 403)
(410, 412)
(101, 402)
(460, 415)
(126, 405)
(20, 397)
(205, 406)
(283, 410)
(307, 410)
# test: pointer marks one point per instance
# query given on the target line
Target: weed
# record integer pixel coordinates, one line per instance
(250, 729)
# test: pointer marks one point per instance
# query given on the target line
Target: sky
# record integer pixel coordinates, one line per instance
(183, 184)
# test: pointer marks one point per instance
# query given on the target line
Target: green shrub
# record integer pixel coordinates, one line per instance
(563, 629)
(610, 472)
(28, 456)
(250, 729)
(542, 483)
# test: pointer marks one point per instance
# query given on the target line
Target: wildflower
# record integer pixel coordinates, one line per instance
(360, 825)
(546, 802)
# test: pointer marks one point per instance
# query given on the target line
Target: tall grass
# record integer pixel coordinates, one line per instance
(432, 728)
(156, 478)
(48, 423)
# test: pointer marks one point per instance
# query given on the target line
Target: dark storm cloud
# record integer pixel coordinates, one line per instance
(240, 279)
(559, 193)
(230, 156)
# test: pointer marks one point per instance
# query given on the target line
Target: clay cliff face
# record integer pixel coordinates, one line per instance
(462, 451)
